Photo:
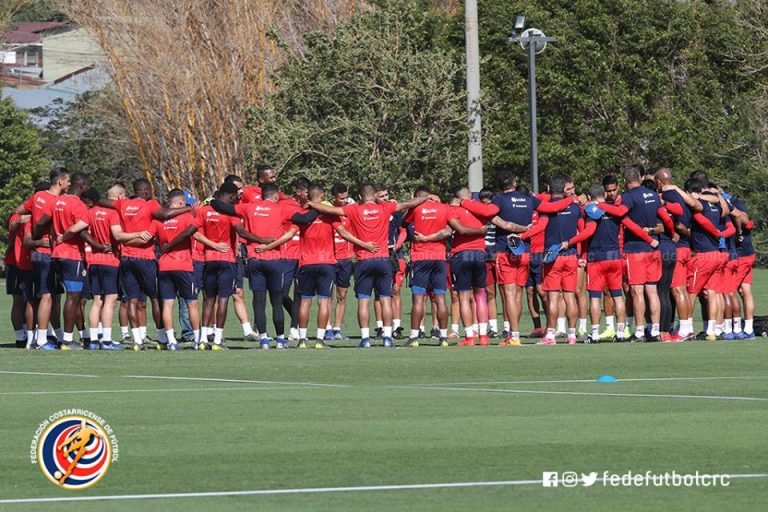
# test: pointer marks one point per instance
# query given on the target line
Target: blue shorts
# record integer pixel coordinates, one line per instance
(373, 274)
(266, 275)
(72, 273)
(428, 275)
(103, 280)
(219, 279)
(468, 270)
(344, 269)
(173, 283)
(198, 269)
(290, 267)
(139, 278)
(314, 280)
(44, 278)
(19, 282)
(534, 273)
(240, 265)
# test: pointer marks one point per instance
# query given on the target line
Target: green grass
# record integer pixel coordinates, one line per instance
(386, 423)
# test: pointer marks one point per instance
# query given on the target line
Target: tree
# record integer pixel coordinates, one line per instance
(377, 100)
(92, 135)
(22, 162)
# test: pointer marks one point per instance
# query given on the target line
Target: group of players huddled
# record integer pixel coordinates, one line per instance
(643, 256)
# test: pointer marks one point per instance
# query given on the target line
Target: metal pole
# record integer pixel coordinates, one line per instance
(532, 115)
(475, 148)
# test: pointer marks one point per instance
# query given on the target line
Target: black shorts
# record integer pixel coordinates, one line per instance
(103, 280)
(314, 280)
(344, 270)
(373, 274)
(177, 283)
(219, 279)
(468, 270)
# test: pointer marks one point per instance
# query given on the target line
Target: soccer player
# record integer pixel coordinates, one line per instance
(746, 260)
(428, 267)
(469, 219)
(46, 290)
(290, 254)
(69, 219)
(176, 277)
(643, 262)
(511, 270)
(370, 223)
(18, 268)
(343, 251)
(486, 197)
(265, 175)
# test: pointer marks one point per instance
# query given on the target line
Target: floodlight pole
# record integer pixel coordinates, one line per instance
(530, 43)
(474, 113)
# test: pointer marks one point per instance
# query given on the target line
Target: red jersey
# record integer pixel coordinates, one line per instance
(370, 223)
(472, 214)
(317, 246)
(265, 219)
(218, 228)
(291, 249)
(428, 218)
(180, 257)
(17, 254)
(136, 216)
(250, 194)
(342, 248)
(198, 248)
(100, 225)
(68, 210)
(41, 203)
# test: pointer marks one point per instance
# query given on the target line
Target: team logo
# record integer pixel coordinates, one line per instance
(74, 448)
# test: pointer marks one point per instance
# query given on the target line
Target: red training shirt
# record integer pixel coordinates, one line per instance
(370, 223)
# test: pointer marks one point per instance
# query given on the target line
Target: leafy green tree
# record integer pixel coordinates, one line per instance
(91, 135)
(377, 100)
(22, 160)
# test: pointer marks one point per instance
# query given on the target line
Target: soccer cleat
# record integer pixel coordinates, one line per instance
(616, 339)
(293, 334)
(671, 338)
(571, 340)
(608, 333)
(435, 332)
(636, 339)
(547, 341)
(365, 343)
(71, 346)
(319, 345)
(653, 338)
(251, 337)
(94, 345)
(582, 332)
(202, 346)
(388, 343)
(264, 343)
(711, 337)
(444, 342)
(453, 335)
(48, 346)
(126, 338)
(536, 333)
(466, 342)
(302, 343)
(398, 333)
(511, 342)
(422, 334)
(412, 343)
(491, 334)
(281, 343)
(701, 336)
(174, 347)
(590, 340)
(161, 346)
(627, 334)
(483, 340)
(21, 343)
(379, 332)
(338, 335)
(729, 336)
(138, 347)
(749, 335)
(219, 346)
(739, 335)
(111, 346)
(146, 340)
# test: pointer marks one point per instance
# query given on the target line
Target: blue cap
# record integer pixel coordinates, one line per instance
(727, 196)
(551, 254)
(189, 199)
(594, 212)
(515, 245)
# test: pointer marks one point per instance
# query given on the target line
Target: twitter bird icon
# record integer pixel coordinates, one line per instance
(590, 479)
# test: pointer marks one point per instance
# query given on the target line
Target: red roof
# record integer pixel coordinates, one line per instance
(26, 33)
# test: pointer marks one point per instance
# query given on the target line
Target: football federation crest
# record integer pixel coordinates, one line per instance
(74, 451)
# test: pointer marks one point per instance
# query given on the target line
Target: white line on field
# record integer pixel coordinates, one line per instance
(583, 393)
(579, 381)
(242, 381)
(159, 390)
(308, 490)
(50, 374)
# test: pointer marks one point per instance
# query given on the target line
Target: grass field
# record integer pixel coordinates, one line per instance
(328, 429)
